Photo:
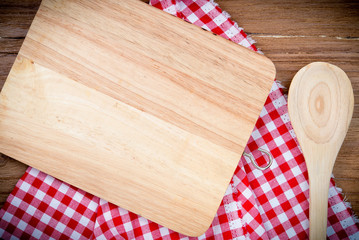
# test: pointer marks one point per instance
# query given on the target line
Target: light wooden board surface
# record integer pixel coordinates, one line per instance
(150, 113)
(320, 106)
(290, 33)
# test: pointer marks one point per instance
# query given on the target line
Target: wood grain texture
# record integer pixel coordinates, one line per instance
(321, 18)
(320, 106)
(10, 172)
(150, 113)
(290, 38)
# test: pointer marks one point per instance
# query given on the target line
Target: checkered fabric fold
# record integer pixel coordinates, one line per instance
(269, 204)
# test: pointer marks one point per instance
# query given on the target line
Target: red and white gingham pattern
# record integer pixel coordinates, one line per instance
(257, 204)
(42, 206)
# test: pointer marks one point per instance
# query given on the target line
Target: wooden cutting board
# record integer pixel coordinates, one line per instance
(133, 105)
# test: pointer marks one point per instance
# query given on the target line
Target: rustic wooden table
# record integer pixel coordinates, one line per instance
(291, 33)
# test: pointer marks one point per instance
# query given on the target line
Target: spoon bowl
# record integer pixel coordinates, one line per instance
(320, 106)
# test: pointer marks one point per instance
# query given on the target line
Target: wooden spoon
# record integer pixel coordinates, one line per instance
(320, 105)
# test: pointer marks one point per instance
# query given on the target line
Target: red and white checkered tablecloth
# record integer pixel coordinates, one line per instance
(269, 204)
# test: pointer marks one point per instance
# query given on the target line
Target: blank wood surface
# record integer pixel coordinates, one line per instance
(320, 106)
(150, 113)
(291, 33)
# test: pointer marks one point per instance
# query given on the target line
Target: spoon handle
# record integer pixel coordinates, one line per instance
(318, 206)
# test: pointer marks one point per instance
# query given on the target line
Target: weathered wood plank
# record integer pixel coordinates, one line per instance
(298, 18)
(289, 54)
(15, 21)
(10, 45)
(7, 61)
(4, 4)
(10, 172)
